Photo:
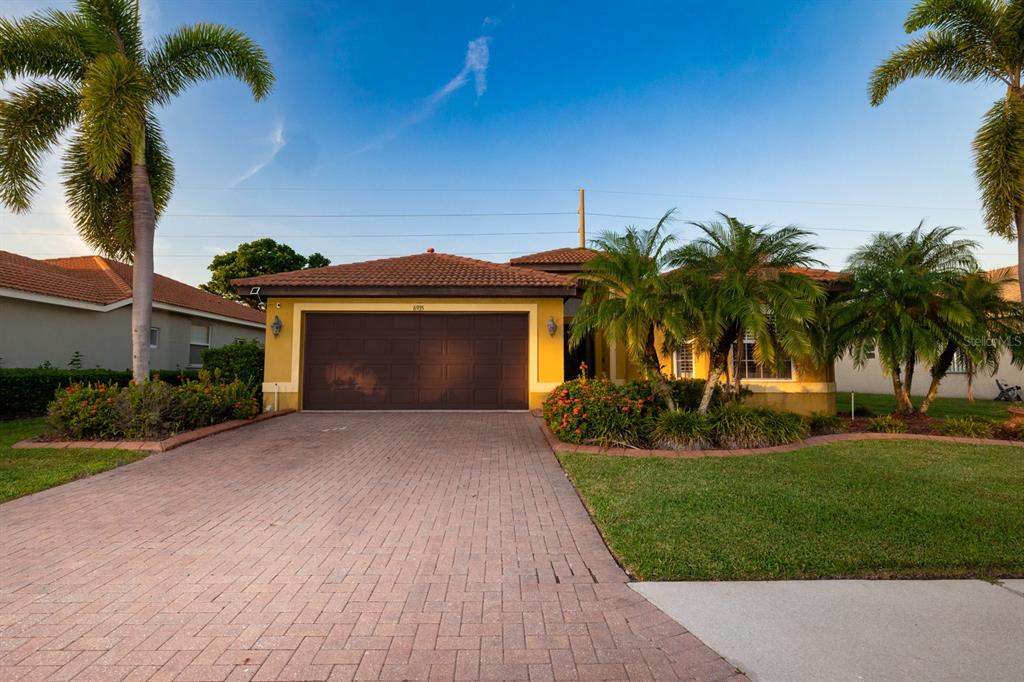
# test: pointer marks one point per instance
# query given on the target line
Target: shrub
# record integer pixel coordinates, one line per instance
(154, 409)
(823, 424)
(735, 426)
(241, 360)
(682, 430)
(969, 426)
(147, 411)
(84, 412)
(887, 424)
(598, 411)
(863, 411)
(1006, 429)
(26, 392)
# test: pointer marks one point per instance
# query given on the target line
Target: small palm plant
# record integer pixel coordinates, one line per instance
(745, 280)
(980, 41)
(904, 301)
(627, 297)
(88, 71)
(991, 326)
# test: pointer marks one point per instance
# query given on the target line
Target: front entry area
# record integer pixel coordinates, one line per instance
(416, 361)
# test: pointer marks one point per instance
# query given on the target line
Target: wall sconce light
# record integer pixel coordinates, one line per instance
(552, 326)
(276, 326)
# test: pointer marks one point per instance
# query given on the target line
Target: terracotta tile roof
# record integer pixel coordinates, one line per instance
(565, 256)
(421, 270)
(822, 275)
(1011, 291)
(98, 280)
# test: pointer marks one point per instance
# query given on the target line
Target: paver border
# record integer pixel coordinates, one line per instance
(164, 445)
(561, 446)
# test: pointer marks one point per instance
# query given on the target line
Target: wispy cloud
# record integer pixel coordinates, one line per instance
(478, 56)
(277, 143)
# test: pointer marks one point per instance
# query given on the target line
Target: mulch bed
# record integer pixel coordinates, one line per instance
(918, 424)
(169, 443)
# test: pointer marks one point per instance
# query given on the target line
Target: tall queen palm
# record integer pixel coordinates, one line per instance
(978, 41)
(87, 73)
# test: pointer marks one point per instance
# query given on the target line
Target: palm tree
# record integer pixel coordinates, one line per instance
(743, 280)
(904, 301)
(974, 41)
(992, 323)
(627, 297)
(89, 72)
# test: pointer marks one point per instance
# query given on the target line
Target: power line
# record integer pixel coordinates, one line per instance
(316, 236)
(339, 215)
(781, 201)
(331, 256)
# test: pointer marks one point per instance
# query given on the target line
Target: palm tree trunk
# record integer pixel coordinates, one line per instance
(1019, 220)
(714, 375)
(143, 225)
(939, 371)
(654, 370)
(904, 402)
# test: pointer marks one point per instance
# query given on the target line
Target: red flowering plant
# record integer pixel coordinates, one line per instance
(84, 411)
(601, 412)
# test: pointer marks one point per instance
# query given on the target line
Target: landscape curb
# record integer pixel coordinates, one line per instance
(561, 446)
(164, 445)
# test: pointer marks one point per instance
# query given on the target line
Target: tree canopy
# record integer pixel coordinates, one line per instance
(259, 257)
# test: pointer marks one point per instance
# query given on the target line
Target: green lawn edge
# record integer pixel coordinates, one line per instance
(23, 472)
(866, 509)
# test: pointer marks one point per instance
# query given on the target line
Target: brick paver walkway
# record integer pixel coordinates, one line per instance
(318, 546)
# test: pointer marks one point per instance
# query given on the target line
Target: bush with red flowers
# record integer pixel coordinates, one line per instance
(601, 412)
(154, 409)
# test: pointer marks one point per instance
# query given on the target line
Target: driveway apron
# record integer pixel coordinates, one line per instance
(370, 546)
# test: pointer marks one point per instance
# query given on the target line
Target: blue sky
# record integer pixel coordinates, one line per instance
(756, 109)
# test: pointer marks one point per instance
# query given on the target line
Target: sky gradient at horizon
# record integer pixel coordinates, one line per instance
(756, 109)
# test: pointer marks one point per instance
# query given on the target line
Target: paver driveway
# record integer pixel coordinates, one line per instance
(315, 546)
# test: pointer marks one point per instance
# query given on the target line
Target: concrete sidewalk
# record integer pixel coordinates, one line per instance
(841, 630)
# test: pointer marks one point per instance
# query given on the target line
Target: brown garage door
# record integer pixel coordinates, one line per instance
(408, 361)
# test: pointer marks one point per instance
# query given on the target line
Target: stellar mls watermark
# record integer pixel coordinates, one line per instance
(1010, 341)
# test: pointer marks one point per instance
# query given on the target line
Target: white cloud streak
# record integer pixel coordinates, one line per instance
(277, 143)
(478, 56)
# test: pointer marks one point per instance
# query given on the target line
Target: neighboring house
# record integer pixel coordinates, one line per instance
(51, 309)
(871, 378)
(438, 331)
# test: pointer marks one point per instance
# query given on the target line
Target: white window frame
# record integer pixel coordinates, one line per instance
(191, 343)
(748, 340)
(154, 335)
(680, 361)
(959, 364)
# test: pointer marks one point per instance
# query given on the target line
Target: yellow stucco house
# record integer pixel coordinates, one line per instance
(438, 331)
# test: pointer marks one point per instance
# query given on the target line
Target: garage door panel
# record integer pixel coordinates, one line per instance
(415, 361)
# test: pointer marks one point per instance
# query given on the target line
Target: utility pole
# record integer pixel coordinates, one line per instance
(583, 222)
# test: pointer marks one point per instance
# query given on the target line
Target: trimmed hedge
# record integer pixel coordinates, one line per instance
(153, 409)
(25, 392)
(242, 360)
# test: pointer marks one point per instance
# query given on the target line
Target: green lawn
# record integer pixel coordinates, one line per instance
(868, 509)
(942, 407)
(28, 471)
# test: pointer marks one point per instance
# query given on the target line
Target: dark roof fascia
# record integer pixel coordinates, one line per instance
(280, 291)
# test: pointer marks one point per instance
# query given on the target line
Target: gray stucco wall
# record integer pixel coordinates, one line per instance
(33, 333)
(870, 379)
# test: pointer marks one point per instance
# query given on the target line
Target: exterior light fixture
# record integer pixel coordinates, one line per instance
(276, 326)
(552, 326)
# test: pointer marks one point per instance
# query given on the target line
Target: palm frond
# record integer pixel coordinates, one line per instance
(936, 55)
(32, 117)
(114, 26)
(114, 101)
(999, 164)
(206, 51)
(48, 44)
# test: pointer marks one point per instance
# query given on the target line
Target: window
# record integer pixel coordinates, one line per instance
(199, 340)
(746, 367)
(154, 337)
(870, 355)
(960, 364)
(682, 362)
